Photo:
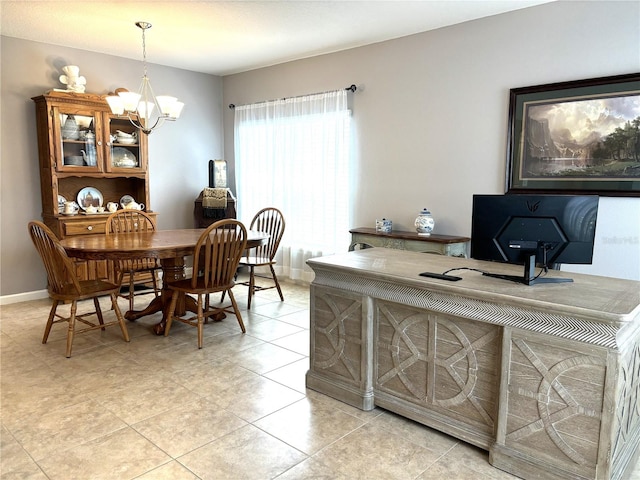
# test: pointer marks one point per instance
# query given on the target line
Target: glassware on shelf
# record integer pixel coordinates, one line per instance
(70, 129)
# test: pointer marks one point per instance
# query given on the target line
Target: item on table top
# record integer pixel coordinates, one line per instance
(424, 222)
(384, 226)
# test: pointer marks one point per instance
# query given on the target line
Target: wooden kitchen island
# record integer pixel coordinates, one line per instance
(544, 377)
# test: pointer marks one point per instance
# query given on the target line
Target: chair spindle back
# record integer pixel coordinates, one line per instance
(61, 275)
(126, 221)
(271, 221)
(218, 253)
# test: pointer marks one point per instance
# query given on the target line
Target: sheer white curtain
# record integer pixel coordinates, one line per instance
(294, 154)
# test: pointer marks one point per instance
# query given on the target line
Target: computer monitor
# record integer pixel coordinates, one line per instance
(534, 230)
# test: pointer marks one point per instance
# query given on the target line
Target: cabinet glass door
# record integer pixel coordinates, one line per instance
(78, 141)
(126, 145)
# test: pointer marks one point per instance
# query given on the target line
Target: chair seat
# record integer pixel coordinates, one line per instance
(256, 261)
(88, 289)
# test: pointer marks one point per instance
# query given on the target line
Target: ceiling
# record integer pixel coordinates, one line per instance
(226, 37)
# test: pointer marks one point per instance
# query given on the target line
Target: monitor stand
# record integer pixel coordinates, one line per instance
(529, 277)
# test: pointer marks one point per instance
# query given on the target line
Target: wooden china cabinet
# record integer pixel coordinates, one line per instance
(83, 160)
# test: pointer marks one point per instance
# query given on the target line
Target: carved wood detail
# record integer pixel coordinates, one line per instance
(338, 337)
(555, 402)
(627, 436)
(448, 365)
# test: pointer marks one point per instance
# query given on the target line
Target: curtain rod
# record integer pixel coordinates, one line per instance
(352, 88)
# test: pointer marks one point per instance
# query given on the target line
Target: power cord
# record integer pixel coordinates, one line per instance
(542, 270)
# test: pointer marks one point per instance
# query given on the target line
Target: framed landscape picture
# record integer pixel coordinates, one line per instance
(576, 137)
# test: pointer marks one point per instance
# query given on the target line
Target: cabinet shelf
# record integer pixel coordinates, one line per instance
(88, 120)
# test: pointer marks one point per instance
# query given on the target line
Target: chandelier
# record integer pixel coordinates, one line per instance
(144, 110)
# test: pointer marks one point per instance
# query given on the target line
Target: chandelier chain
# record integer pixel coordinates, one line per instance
(144, 26)
(144, 53)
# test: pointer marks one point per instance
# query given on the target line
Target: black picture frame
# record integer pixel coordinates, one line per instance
(574, 137)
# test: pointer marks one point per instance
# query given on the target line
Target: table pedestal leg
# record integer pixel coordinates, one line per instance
(172, 271)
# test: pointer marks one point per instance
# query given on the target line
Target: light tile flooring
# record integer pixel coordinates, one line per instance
(159, 408)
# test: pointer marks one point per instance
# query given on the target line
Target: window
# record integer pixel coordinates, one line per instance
(294, 154)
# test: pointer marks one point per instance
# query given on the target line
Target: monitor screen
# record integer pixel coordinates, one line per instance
(530, 230)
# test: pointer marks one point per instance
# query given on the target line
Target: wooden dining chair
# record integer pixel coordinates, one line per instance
(64, 286)
(218, 253)
(126, 221)
(271, 221)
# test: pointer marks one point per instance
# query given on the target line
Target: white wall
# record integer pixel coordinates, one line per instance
(430, 112)
(178, 152)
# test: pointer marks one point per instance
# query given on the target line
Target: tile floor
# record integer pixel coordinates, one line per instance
(159, 408)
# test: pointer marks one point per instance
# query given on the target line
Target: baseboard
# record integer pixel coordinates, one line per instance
(40, 294)
(23, 297)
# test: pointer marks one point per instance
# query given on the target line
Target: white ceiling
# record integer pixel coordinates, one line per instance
(225, 37)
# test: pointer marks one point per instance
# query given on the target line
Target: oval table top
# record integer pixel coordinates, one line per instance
(158, 244)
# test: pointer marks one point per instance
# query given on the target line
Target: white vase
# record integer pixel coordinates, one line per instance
(424, 223)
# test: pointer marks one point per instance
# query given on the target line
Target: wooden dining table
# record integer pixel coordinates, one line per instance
(169, 246)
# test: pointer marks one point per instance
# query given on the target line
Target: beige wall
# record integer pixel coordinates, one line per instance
(430, 113)
(178, 152)
(430, 120)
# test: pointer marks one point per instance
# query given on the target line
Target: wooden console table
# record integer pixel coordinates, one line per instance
(544, 377)
(400, 240)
